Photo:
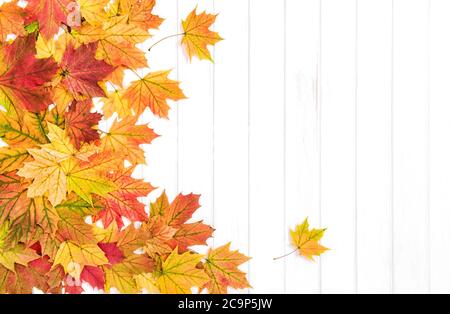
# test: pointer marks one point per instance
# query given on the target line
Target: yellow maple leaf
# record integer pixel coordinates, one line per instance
(179, 273)
(153, 91)
(17, 255)
(307, 241)
(198, 36)
(12, 158)
(45, 48)
(122, 276)
(146, 283)
(93, 10)
(50, 166)
(73, 257)
(47, 174)
(125, 137)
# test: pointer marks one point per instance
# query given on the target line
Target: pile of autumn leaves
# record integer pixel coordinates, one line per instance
(64, 186)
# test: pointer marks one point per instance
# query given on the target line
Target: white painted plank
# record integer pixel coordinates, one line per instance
(162, 157)
(195, 122)
(302, 133)
(440, 150)
(267, 228)
(374, 189)
(411, 220)
(338, 144)
(231, 126)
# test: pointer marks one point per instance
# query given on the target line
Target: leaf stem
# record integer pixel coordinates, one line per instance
(286, 255)
(165, 38)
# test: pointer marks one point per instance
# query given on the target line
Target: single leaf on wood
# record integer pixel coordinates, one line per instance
(307, 241)
(198, 36)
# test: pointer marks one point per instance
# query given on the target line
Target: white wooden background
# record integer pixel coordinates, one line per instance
(338, 110)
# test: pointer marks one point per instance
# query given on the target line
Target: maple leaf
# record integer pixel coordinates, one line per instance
(116, 103)
(11, 20)
(122, 276)
(72, 227)
(47, 174)
(73, 257)
(126, 137)
(198, 36)
(18, 255)
(191, 234)
(80, 123)
(179, 273)
(168, 227)
(159, 236)
(112, 252)
(123, 201)
(12, 159)
(221, 265)
(153, 91)
(50, 14)
(21, 129)
(116, 42)
(94, 276)
(56, 169)
(181, 209)
(137, 13)
(23, 77)
(23, 213)
(146, 282)
(81, 72)
(307, 241)
(24, 278)
(93, 10)
(85, 178)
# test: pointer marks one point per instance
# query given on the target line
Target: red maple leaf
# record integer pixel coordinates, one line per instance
(81, 72)
(50, 14)
(124, 202)
(182, 209)
(80, 122)
(112, 252)
(23, 81)
(93, 276)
